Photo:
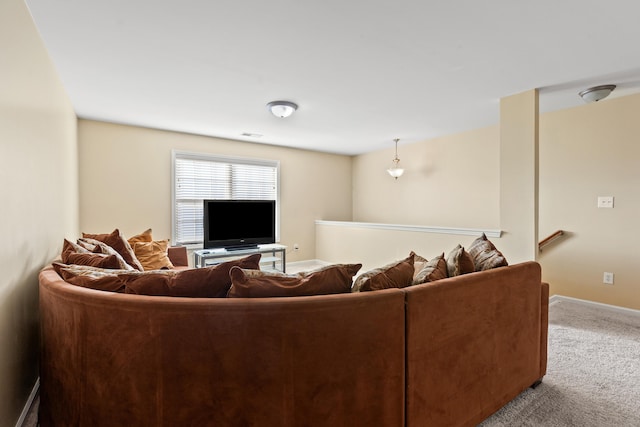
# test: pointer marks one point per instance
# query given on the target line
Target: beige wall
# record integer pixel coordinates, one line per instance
(125, 181)
(38, 175)
(587, 152)
(584, 152)
(452, 181)
(445, 179)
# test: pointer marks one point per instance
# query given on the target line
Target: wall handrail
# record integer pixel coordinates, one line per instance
(544, 242)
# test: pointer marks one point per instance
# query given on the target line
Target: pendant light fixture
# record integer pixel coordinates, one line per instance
(396, 171)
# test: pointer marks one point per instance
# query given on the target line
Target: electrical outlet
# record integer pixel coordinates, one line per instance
(296, 246)
(607, 279)
(605, 202)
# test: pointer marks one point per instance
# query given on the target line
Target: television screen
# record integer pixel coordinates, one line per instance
(237, 224)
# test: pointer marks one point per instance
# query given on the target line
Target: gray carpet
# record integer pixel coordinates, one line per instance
(593, 373)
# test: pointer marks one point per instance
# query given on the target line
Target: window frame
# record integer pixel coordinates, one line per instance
(179, 154)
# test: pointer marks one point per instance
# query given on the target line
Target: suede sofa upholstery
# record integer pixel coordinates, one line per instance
(449, 352)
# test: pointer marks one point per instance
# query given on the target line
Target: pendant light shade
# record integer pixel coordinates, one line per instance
(396, 171)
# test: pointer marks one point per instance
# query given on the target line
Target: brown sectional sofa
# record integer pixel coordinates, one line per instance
(446, 353)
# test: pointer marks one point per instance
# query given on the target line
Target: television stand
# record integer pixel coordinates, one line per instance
(273, 256)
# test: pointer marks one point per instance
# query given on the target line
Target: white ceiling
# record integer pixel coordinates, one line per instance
(362, 71)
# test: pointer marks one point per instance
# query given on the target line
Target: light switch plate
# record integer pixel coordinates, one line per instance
(605, 201)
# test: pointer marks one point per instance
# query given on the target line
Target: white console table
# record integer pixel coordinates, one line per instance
(273, 256)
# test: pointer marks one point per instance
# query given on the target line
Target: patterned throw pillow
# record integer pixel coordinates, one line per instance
(459, 262)
(208, 282)
(69, 247)
(101, 279)
(73, 253)
(86, 245)
(418, 263)
(120, 244)
(331, 279)
(103, 248)
(433, 270)
(485, 255)
(398, 274)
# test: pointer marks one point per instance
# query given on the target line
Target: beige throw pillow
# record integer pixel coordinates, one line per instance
(152, 255)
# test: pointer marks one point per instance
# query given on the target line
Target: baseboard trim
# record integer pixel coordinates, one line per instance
(558, 298)
(27, 405)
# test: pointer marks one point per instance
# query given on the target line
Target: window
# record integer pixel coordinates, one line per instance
(197, 177)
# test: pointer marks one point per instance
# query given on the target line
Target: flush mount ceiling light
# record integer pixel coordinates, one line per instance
(596, 93)
(282, 109)
(396, 171)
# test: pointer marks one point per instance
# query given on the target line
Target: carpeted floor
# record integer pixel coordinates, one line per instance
(593, 374)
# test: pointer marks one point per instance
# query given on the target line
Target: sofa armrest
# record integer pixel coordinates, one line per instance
(178, 256)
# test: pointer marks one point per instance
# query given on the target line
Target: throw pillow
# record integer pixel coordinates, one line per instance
(73, 253)
(91, 277)
(459, 262)
(152, 255)
(398, 274)
(103, 248)
(485, 255)
(86, 245)
(93, 260)
(433, 270)
(418, 263)
(332, 279)
(208, 282)
(145, 236)
(69, 247)
(120, 244)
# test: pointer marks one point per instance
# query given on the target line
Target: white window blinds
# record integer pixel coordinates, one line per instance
(197, 177)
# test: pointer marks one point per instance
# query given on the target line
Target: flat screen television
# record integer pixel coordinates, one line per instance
(238, 224)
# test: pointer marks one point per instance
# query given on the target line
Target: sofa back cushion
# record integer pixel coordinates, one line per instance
(332, 279)
(398, 274)
(208, 282)
(101, 279)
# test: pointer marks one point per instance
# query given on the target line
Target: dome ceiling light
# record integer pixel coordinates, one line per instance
(596, 93)
(282, 109)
